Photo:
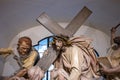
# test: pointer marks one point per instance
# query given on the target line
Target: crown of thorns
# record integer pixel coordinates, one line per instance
(61, 37)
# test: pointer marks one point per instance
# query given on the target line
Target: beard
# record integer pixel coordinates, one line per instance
(58, 47)
(23, 55)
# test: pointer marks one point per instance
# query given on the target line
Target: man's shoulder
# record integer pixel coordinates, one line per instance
(76, 46)
(73, 47)
(33, 50)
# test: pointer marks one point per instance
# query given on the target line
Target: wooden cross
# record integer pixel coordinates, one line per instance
(55, 28)
(72, 27)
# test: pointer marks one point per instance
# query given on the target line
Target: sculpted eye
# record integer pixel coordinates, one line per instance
(60, 41)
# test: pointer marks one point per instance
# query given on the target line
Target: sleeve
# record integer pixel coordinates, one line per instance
(76, 62)
(6, 51)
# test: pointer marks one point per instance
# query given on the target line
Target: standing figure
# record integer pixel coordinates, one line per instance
(25, 56)
(113, 73)
(76, 61)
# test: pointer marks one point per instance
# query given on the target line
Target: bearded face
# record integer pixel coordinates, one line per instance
(23, 48)
(59, 44)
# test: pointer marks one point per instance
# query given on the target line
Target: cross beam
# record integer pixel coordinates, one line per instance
(78, 20)
(51, 25)
(72, 27)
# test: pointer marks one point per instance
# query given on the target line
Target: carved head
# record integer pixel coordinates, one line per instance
(59, 41)
(24, 45)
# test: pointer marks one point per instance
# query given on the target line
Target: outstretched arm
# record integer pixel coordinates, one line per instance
(110, 71)
(5, 51)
